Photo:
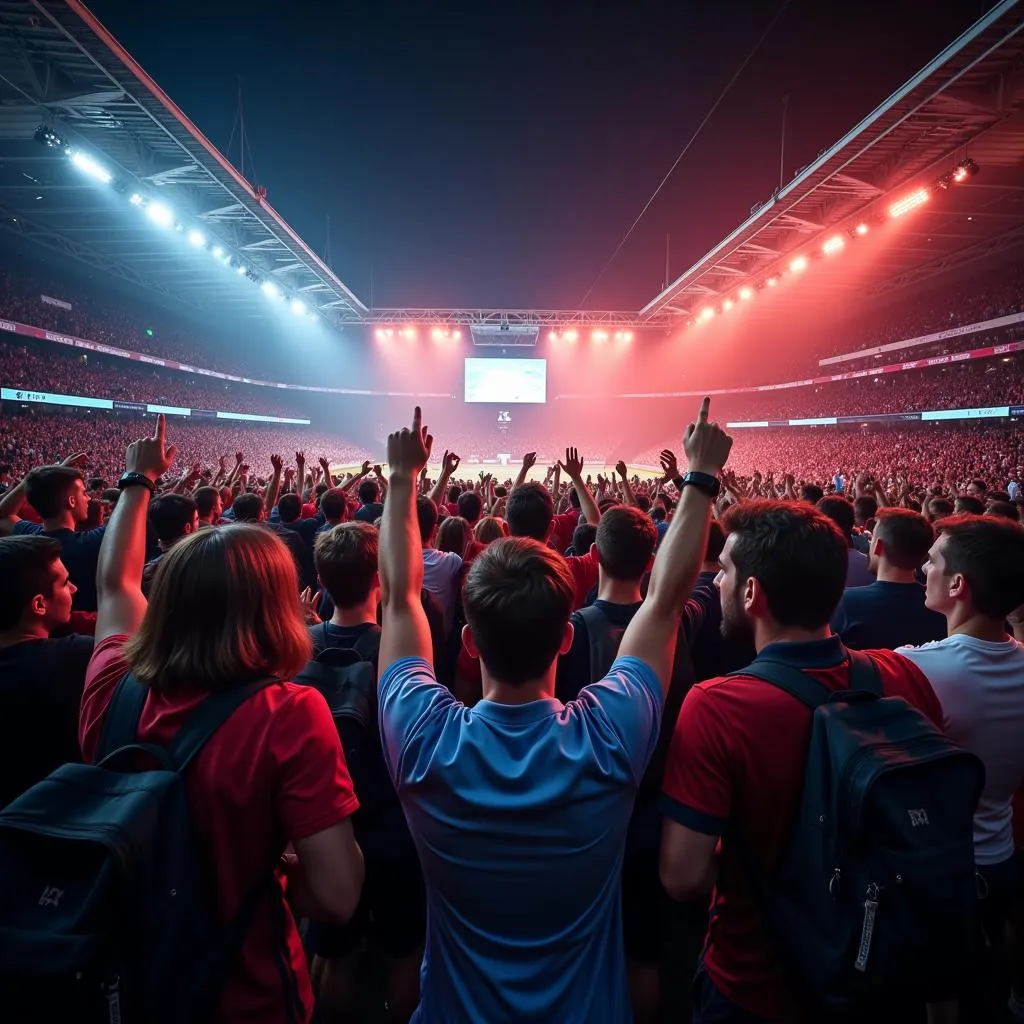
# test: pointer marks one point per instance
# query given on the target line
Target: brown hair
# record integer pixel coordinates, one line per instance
(453, 535)
(224, 609)
(489, 529)
(346, 562)
(517, 598)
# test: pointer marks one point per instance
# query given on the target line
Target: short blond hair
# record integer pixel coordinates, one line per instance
(224, 608)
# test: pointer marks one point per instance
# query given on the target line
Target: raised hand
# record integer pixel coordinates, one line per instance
(529, 460)
(239, 457)
(76, 460)
(151, 456)
(409, 448)
(378, 470)
(706, 445)
(669, 465)
(365, 468)
(289, 475)
(300, 458)
(572, 466)
(310, 603)
(451, 462)
(277, 462)
(620, 468)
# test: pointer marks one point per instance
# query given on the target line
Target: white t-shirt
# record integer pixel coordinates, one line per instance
(440, 577)
(980, 685)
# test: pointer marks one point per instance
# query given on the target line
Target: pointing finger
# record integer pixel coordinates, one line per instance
(705, 406)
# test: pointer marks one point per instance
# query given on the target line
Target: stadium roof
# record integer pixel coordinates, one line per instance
(60, 68)
(968, 102)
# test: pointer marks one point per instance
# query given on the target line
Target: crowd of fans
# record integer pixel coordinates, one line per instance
(493, 781)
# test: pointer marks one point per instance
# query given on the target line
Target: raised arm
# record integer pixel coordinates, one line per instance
(123, 551)
(529, 461)
(651, 636)
(629, 498)
(328, 477)
(573, 467)
(405, 632)
(274, 486)
(356, 477)
(448, 466)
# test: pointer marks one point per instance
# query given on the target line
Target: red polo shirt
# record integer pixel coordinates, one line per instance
(273, 773)
(737, 757)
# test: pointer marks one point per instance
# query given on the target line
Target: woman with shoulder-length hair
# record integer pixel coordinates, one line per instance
(224, 611)
(454, 535)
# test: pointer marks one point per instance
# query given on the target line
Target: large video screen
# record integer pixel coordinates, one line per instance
(505, 381)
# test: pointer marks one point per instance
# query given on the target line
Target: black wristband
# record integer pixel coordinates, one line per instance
(136, 479)
(704, 482)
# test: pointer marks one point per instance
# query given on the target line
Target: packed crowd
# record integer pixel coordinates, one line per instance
(42, 366)
(442, 771)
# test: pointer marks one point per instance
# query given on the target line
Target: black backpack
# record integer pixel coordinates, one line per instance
(348, 681)
(603, 643)
(105, 914)
(875, 896)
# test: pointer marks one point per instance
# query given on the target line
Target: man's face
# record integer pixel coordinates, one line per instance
(937, 579)
(218, 508)
(78, 501)
(975, 491)
(736, 624)
(58, 601)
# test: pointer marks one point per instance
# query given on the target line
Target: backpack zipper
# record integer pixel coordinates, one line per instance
(867, 929)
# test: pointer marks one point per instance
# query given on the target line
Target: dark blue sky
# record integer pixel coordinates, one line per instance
(494, 153)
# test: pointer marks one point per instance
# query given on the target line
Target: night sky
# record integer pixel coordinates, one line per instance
(494, 154)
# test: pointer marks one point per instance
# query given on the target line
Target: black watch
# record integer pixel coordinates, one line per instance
(704, 482)
(131, 479)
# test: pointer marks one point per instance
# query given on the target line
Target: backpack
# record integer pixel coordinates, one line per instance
(105, 913)
(603, 643)
(875, 895)
(348, 681)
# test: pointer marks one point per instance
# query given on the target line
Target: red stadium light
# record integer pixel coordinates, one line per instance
(862, 229)
(599, 336)
(727, 305)
(960, 174)
(627, 336)
(457, 334)
(771, 282)
(437, 333)
(746, 294)
(833, 245)
(707, 313)
(552, 335)
(798, 264)
(908, 203)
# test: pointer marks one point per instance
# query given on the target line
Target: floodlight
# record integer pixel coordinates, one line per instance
(270, 290)
(196, 238)
(87, 165)
(160, 215)
(298, 307)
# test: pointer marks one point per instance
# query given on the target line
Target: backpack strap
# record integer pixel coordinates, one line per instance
(208, 717)
(121, 721)
(864, 677)
(368, 644)
(601, 643)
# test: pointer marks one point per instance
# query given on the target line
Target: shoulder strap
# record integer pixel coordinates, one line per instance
(864, 677)
(803, 687)
(601, 645)
(864, 674)
(208, 717)
(121, 722)
(368, 644)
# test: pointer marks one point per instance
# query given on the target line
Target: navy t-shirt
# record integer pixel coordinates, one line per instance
(886, 615)
(40, 692)
(79, 552)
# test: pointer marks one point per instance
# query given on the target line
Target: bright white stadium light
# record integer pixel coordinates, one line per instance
(727, 305)
(298, 307)
(271, 290)
(87, 165)
(798, 264)
(746, 293)
(240, 268)
(196, 238)
(217, 252)
(136, 199)
(456, 335)
(707, 313)
(160, 215)
(833, 245)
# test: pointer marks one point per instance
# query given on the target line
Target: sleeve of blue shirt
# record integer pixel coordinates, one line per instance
(24, 526)
(413, 708)
(624, 710)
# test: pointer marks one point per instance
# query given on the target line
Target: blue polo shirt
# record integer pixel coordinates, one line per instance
(519, 815)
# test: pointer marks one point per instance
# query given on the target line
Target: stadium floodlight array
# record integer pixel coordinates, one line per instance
(836, 243)
(163, 216)
(598, 336)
